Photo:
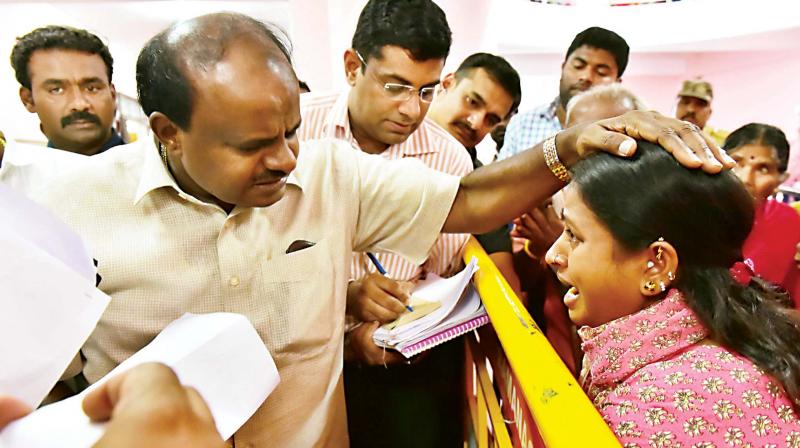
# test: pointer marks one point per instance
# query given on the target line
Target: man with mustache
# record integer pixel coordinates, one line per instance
(596, 56)
(65, 78)
(694, 106)
(223, 211)
(476, 99)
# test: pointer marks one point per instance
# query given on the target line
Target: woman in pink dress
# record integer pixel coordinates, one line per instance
(761, 152)
(683, 345)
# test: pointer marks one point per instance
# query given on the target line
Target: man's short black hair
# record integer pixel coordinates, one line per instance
(603, 39)
(498, 69)
(161, 70)
(57, 38)
(418, 26)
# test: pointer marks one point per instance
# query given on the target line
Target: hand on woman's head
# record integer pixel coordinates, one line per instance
(686, 142)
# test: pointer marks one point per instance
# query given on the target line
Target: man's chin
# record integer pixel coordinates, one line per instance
(267, 200)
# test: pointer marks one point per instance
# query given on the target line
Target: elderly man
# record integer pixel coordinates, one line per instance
(225, 213)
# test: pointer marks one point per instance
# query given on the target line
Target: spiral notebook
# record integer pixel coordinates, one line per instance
(461, 311)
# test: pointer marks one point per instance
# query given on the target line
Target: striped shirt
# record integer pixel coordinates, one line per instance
(530, 128)
(325, 116)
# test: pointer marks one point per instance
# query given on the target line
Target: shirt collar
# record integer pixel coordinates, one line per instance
(337, 123)
(550, 109)
(619, 348)
(155, 175)
(114, 140)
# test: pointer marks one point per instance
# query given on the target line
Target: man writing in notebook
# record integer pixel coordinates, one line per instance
(202, 220)
(393, 67)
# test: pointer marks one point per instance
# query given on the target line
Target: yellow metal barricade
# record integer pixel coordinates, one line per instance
(541, 403)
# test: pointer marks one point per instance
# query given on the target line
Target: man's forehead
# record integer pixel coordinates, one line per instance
(594, 55)
(46, 61)
(489, 89)
(399, 62)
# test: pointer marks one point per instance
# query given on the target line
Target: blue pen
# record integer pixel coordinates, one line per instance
(380, 269)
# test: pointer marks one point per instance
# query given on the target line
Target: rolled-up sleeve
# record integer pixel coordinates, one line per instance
(403, 206)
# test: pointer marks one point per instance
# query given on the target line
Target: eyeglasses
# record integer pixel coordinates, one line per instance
(401, 92)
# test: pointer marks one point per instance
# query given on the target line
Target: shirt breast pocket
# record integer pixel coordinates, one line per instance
(299, 291)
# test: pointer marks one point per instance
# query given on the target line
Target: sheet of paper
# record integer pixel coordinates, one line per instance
(219, 354)
(26, 219)
(447, 291)
(47, 311)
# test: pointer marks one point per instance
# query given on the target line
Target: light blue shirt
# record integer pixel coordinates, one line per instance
(529, 128)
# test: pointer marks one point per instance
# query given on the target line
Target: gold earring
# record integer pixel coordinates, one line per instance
(650, 285)
(660, 251)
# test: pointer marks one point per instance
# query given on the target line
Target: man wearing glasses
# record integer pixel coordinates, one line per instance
(393, 67)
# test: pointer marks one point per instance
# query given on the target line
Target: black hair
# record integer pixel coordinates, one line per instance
(303, 85)
(603, 39)
(161, 70)
(707, 219)
(764, 134)
(418, 26)
(498, 69)
(56, 38)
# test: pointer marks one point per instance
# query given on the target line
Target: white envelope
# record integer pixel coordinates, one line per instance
(220, 354)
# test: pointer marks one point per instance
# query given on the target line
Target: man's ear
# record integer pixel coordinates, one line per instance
(166, 132)
(352, 65)
(113, 91)
(26, 96)
(449, 81)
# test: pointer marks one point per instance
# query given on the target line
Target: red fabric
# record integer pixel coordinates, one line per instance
(771, 246)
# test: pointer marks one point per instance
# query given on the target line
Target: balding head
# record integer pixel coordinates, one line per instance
(171, 60)
(601, 102)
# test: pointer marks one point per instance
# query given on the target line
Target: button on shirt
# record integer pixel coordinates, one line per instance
(326, 116)
(162, 253)
(529, 128)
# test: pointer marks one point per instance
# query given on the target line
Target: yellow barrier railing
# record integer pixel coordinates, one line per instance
(563, 414)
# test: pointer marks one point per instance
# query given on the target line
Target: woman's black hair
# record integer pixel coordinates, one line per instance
(707, 219)
(764, 134)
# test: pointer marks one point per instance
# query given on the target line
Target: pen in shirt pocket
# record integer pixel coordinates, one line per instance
(380, 269)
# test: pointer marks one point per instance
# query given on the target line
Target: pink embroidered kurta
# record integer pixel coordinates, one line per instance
(658, 382)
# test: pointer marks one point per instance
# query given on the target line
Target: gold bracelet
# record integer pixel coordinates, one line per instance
(551, 159)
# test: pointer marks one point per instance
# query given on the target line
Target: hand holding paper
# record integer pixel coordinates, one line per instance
(141, 400)
(219, 354)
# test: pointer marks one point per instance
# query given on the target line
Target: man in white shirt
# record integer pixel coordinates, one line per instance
(229, 215)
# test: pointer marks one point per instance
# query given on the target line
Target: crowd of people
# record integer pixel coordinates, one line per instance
(661, 267)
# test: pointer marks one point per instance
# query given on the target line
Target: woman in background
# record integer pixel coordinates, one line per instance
(761, 152)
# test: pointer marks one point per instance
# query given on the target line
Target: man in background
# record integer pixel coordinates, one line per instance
(478, 97)
(65, 78)
(596, 56)
(694, 106)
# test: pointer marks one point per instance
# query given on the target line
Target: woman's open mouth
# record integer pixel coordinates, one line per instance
(571, 297)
